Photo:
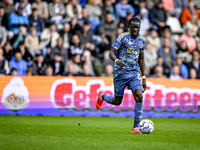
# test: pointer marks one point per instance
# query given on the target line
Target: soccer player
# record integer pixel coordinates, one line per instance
(128, 54)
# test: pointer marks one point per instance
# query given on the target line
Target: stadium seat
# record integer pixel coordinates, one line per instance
(175, 25)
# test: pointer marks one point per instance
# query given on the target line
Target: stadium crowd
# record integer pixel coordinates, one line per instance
(73, 38)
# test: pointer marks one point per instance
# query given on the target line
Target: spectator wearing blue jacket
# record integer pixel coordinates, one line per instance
(183, 68)
(36, 21)
(16, 19)
(18, 63)
(123, 7)
(167, 53)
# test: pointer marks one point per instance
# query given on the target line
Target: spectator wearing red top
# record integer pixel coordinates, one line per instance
(188, 12)
(168, 5)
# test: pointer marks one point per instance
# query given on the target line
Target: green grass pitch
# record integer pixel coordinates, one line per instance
(95, 133)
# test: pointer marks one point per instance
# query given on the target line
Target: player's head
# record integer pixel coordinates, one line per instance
(134, 26)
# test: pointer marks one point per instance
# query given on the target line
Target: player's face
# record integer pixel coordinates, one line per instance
(134, 28)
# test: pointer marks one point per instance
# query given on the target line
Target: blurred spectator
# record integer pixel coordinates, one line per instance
(49, 71)
(74, 26)
(122, 7)
(119, 31)
(141, 5)
(29, 71)
(179, 5)
(75, 46)
(108, 71)
(166, 33)
(39, 65)
(150, 58)
(36, 21)
(184, 53)
(73, 9)
(18, 37)
(95, 66)
(183, 71)
(57, 64)
(108, 7)
(86, 38)
(189, 39)
(18, 63)
(32, 42)
(192, 24)
(26, 5)
(93, 9)
(108, 27)
(192, 73)
(160, 62)
(86, 71)
(4, 68)
(197, 37)
(24, 53)
(85, 18)
(48, 38)
(168, 53)
(124, 21)
(16, 19)
(76, 59)
(159, 15)
(158, 73)
(144, 27)
(3, 37)
(69, 69)
(3, 18)
(66, 35)
(42, 8)
(188, 12)
(7, 6)
(59, 49)
(195, 63)
(14, 72)
(56, 11)
(154, 40)
(103, 46)
(94, 13)
(7, 50)
(175, 75)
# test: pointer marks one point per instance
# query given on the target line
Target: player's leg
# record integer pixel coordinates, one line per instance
(119, 87)
(117, 100)
(136, 87)
(138, 110)
(138, 107)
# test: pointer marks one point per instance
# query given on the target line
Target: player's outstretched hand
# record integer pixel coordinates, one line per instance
(144, 85)
(120, 63)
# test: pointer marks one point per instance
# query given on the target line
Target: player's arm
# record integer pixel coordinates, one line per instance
(112, 56)
(142, 68)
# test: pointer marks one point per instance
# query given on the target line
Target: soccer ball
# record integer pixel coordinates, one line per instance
(146, 126)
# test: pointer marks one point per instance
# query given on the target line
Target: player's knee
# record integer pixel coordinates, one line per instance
(139, 97)
(118, 103)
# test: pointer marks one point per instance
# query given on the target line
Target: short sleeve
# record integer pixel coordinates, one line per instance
(143, 47)
(118, 42)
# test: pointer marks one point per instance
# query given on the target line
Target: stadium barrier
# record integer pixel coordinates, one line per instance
(65, 96)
